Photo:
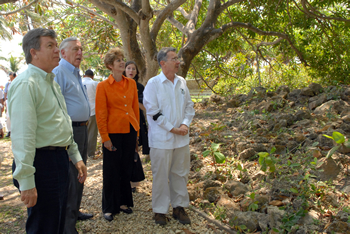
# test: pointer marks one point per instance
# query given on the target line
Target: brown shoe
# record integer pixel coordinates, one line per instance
(180, 214)
(160, 219)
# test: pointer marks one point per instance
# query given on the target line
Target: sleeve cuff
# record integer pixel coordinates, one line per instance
(26, 183)
(105, 137)
(186, 122)
(168, 126)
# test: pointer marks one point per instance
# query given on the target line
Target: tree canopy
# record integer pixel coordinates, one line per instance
(217, 40)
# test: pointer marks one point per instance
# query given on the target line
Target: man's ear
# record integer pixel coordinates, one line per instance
(33, 53)
(63, 52)
(162, 63)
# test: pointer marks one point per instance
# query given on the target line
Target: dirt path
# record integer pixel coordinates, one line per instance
(13, 213)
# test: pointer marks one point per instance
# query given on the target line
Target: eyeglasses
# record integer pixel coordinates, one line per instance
(175, 59)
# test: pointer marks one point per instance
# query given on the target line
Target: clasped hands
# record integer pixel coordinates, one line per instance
(182, 130)
(29, 197)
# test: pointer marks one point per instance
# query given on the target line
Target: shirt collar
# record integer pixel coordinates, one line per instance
(41, 72)
(68, 65)
(163, 78)
(111, 79)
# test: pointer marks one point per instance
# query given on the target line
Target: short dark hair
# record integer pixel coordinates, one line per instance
(88, 72)
(32, 40)
(163, 54)
(136, 78)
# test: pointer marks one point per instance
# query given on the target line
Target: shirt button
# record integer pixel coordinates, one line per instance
(126, 105)
(127, 113)
(124, 96)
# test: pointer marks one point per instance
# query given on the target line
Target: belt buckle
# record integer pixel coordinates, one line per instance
(67, 147)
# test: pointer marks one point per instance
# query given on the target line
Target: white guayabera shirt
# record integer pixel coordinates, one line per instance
(173, 100)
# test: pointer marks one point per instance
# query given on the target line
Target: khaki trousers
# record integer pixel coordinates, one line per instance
(170, 168)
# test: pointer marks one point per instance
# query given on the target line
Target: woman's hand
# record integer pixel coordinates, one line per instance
(108, 145)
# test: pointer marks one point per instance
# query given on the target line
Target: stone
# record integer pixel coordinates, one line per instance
(330, 169)
(338, 227)
(228, 203)
(304, 123)
(342, 216)
(333, 106)
(248, 219)
(196, 165)
(259, 175)
(215, 98)
(257, 91)
(234, 102)
(211, 183)
(236, 188)
(302, 114)
(320, 100)
(299, 137)
(316, 88)
(283, 89)
(307, 92)
(212, 194)
(309, 217)
(275, 216)
(247, 154)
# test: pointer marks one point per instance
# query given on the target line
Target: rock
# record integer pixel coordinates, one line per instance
(320, 100)
(325, 141)
(234, 102)
(212, 194)
(228, 203)
(248, 219)
(262, 199)
(196, 165)
(215, 98)
(275, 216)
(283, 89)
(281, 124)
(304, 123)
(316, 88)
(331, 106)
(309, 217)
(338, 227)
(236, 188)
(293, 95)
(247, 154)
(260, 175)
(299, 137)
(211, 183)
(302, 114)
(289, 118)
(307, 92)
(330, 169)
(257, 91)
(342, 216)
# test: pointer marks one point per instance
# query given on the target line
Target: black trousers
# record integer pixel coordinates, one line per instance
(117, 169)
(51, 182)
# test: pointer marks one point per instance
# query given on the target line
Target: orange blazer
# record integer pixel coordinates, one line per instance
(117, 106)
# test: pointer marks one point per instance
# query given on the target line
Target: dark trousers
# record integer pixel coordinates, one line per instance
(51, 182)
(117, 169)
(75, 191)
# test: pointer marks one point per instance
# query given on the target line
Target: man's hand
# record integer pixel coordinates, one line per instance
(184, 127)
(29, 197)
(82, 171)
(109, 145)
(179, 131)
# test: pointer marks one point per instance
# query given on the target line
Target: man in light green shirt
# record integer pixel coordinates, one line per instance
(42, 136)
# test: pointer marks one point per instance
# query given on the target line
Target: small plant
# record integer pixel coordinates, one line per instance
(215, 154)
(340, 140)
(267, 160)
(253, 206)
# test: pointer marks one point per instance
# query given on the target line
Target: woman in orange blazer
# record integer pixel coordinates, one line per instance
(117, 117)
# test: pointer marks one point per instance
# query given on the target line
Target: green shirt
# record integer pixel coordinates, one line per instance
(39, 118)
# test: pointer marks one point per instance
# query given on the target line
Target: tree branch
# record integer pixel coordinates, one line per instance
(7, 1)
(194, 68)
(184, 13)
(178, 25)
(191, 24)
(123, 7)
(19, 9)
(163, 15)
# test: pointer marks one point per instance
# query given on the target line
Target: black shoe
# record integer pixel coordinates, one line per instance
(83, 216)
(108, 217)
(126, 211)
(133, 189)
(8, 134)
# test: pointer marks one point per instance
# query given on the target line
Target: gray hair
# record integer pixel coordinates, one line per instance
(163, 54)
(65, 43)
(32, 40)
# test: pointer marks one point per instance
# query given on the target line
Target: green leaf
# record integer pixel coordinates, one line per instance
(332, 151)
(263, 166)
(293, 190)
(206, 153)
(239, 167)
(215, 146)
(220, 158)
(347, 144)
(252, 196)
(338, 137)
(268, 161)
(263, 154)
(273, 150)
(272, 168)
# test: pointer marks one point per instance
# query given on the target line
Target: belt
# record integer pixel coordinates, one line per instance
(77, 124)
(54, 148)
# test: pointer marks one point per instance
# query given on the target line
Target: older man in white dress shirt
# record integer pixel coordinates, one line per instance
(169, 113)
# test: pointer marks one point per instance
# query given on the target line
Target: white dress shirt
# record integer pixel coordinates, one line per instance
(173, 100)
(90, 86)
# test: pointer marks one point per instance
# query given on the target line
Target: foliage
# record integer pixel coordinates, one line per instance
(340, 140)
(267, 160)
(215, 154)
